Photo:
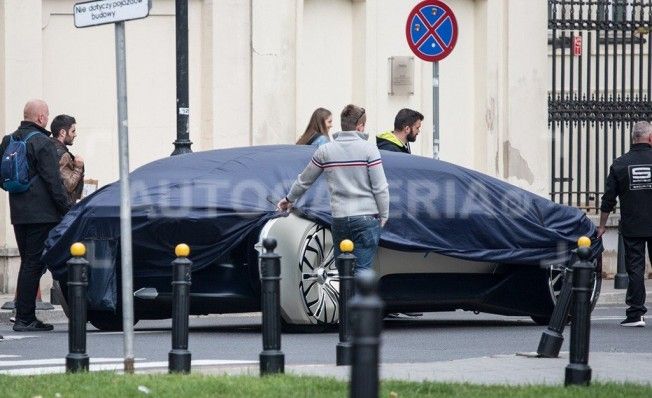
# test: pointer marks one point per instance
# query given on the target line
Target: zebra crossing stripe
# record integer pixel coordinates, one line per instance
(97, 366)
(17, 337)
(53, 361)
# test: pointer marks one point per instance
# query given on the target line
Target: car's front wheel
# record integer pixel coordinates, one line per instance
(319, 282)
(309, 277)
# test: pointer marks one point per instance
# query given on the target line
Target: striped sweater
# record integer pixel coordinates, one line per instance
(355, 175)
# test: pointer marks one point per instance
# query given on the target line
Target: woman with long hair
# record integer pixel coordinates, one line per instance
(316, 133)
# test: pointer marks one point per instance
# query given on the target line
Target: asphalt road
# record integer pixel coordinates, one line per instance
(433, 337)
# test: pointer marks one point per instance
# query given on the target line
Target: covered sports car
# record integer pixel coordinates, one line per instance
(456, 238)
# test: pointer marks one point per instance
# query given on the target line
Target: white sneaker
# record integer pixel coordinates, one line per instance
(633, 322)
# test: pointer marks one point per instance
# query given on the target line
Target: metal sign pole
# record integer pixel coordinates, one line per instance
(100, 12)
(435, 110)
(125, 200)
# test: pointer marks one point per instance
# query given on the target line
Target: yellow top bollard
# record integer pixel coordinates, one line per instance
(182, 250)
(584, 242)
(346, 246)
(77, 249)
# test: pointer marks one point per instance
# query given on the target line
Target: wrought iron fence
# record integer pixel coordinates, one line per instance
(601, 85)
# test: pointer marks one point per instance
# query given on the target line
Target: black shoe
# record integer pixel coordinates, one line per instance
(34, 326)
(633, 321)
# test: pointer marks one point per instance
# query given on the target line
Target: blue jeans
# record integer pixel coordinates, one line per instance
(364, 231)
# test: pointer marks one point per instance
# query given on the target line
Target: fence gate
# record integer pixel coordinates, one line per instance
(601, 85)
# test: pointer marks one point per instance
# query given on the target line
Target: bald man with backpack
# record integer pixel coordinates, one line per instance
(29, 171)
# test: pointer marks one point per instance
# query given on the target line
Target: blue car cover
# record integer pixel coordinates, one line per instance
(215, 200)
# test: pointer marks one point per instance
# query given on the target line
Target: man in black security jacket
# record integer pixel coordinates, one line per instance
(630, 179)
(36, 211)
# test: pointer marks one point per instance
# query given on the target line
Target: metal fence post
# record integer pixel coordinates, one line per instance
(366, 316)
(345, 265)
(272, 359)
(552, 338)
(578, 371)
(179, 358)
(77, 358)
(621, 280)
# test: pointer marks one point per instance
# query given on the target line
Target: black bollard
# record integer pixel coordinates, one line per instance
(345, 265)
(179, 357)
(621, 280)
(578, 371)
(272, 359)
(77, 358)
(366, 318)
(552, 338)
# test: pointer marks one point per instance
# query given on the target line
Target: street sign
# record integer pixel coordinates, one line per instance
(431, 30)
(100, 12)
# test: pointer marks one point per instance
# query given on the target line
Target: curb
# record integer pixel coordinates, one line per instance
(618, 297)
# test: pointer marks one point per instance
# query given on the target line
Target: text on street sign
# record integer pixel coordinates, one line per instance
(99, 12)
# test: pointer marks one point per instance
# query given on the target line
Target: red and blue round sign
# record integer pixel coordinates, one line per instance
(431, 30)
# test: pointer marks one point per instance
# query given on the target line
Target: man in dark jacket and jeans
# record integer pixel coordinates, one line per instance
(36, 211)
(630, 180)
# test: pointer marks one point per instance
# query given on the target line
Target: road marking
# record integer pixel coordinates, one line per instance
(93, 333)
(9, 356)
(609, 307)
(119, 366)
(18, 337)
(54, 361)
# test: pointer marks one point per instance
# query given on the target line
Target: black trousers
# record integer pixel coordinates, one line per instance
(635, 266)
(31, 242)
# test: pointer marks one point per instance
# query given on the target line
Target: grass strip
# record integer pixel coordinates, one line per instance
(109, 384)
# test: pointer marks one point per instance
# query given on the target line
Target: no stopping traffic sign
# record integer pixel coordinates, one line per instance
(431, 30)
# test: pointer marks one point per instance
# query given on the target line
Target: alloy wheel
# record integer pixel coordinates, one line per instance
(320, 282)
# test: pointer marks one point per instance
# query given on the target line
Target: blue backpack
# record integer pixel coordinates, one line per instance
(14, 168)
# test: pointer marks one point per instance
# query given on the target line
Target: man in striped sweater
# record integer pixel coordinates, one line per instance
(357, 184)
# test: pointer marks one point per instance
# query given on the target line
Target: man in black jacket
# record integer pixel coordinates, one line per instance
(36, 211)
(630, 180)
(407, 125)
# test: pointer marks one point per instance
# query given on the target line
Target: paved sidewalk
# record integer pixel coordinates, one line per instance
(55, 315)
(499, 369)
